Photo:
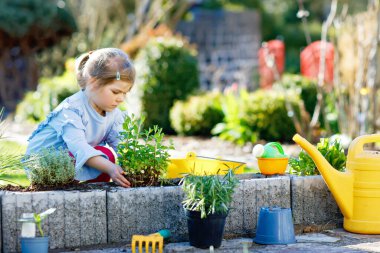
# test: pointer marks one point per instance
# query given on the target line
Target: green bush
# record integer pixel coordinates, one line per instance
(51, 167)
(234, 127)
(197, 115)
(332, 151)
(50, 92)
(167, 70)
(265, 113)
(304, 87)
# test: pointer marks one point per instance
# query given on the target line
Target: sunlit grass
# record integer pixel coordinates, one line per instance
(14, 176)
(251, 170)
(12, 146)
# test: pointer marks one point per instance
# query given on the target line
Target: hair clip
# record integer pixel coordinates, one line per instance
(118, 75)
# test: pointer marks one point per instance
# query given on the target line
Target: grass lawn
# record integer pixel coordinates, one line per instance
(16, 176)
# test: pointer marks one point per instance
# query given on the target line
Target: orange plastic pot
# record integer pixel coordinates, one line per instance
(271, 166)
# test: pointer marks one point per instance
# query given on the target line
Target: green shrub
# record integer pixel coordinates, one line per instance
(197, 115)
(51, 167)
(305, 88)
(266, 114)
(167, 71)
(50, 92)
(142, 155)
(234, 127)
(333, 152)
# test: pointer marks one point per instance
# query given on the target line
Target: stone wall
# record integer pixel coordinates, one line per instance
(227, 43)
(114, 215)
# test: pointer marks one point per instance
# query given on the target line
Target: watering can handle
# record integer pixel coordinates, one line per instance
(278, 146)
(357, 144)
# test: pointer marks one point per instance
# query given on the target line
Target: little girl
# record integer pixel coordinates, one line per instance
(84, 122)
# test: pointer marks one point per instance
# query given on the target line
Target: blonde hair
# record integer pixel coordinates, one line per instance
(104, 65)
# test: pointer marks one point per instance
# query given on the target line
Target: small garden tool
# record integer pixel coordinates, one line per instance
(151, 241)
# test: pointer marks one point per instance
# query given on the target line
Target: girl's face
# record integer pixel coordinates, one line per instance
(106, 98)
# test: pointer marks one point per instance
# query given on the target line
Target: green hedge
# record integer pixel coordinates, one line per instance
(266, 114)
(305, 87)
(167, 70)
(197, 115)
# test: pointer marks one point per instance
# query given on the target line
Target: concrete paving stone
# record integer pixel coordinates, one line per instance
(156, 208)
(114, 214)
(174, 213)
(250, 211)
(9, 222)
(234, 221)
(87, 218)
(316, 237)
(144, 210)
(72, 219)
(297, 199)
(100, 217)
(262, 194)
(312, 202)
(57, 219)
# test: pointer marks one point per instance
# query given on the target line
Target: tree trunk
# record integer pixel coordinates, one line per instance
(18, 74)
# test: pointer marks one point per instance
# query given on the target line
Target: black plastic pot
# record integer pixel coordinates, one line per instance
(205, 232)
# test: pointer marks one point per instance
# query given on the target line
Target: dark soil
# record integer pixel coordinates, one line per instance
(76, 186)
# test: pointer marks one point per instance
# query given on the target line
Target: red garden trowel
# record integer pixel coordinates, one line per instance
(152, 241)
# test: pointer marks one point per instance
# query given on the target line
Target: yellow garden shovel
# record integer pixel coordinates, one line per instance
(152, 241)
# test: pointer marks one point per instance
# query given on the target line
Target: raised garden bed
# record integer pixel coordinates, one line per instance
(114, 214)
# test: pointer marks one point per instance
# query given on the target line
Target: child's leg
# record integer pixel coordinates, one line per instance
(103, 177)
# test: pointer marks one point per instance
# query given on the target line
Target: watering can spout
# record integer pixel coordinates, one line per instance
(339, 183)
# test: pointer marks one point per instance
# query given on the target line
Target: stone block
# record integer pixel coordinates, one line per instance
(312, 202)
(144, 211)
(57, 220)
(250, 212)
(73, 224)
(235, 218)
(114, 222)
(9, 222)
(72, 219)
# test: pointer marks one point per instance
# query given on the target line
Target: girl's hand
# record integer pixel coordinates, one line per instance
(117, 176)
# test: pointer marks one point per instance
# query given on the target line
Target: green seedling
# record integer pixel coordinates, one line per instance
(38, 218)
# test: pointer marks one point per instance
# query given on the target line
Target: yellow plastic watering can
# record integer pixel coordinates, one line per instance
(357, 190)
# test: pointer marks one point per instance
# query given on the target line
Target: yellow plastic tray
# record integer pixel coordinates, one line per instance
(178, 167)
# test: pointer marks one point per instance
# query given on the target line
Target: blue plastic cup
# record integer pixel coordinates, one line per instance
(275, 226)
(34, 244)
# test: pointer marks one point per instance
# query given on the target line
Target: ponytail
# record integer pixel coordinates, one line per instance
(80, 64)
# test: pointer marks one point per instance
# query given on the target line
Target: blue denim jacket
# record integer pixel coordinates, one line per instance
(76, 126)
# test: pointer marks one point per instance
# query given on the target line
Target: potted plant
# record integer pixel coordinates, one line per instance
(206, 203)
(141, 153)
(29, 242)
